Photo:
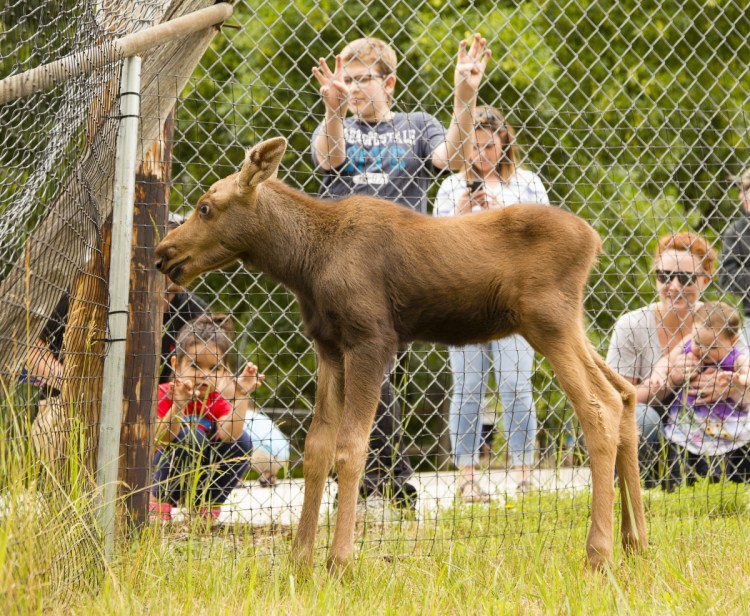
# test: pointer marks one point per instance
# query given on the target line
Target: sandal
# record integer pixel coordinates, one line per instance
(470, 492)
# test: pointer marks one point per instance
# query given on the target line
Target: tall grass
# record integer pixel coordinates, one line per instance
(50, 549)
(521, 564)
(697, 565)
(520, 557)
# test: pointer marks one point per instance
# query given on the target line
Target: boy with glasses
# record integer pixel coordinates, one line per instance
(392, 155)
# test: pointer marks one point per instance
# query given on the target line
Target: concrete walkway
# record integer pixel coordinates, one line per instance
(282, 504)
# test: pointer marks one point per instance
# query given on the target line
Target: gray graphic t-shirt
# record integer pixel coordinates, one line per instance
(391, 160)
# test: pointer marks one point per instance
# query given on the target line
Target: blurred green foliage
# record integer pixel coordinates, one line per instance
(633, 112)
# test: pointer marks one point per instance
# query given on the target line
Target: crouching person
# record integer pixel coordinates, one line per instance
(270, 447)
(203, 451)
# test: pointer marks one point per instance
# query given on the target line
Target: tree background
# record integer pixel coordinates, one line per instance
(633, 113)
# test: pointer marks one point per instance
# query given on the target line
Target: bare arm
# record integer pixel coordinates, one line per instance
(741, 380)
(329, 145)
(230, 427)
(668, 374)
(168, 427)
(672, 372)
(470, 67)
(724, 384)
(645, 392)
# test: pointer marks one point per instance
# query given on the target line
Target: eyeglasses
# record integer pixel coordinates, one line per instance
(684, 278)
(362, 79)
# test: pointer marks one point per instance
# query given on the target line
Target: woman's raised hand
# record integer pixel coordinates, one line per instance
(470, 66)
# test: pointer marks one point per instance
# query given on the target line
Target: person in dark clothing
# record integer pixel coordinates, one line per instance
(734, 263)
(43, 368)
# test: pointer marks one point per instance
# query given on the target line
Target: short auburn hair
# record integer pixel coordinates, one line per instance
(695, 244)
(371, 51)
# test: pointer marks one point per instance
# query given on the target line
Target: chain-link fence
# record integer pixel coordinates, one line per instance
(633, 115)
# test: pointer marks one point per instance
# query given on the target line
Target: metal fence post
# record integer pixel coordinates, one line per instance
(119, 278)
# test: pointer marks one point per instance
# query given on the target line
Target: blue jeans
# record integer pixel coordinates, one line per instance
(194, 467)
(649, 442)
(514, 363)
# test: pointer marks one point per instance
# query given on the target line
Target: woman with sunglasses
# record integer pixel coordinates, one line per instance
(683, 266)
(493, 179)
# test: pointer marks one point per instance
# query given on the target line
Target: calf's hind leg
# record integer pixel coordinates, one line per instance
(320, 447)
(598, 407)
(634, 534)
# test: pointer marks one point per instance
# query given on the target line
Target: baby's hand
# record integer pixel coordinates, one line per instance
(733, 383)
(249, 379)
(724, 379)
(684, 369)
(655, 383)
(739, 379)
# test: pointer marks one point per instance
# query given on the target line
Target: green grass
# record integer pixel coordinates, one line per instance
(524, 559)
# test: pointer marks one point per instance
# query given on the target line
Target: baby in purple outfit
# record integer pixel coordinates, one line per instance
(710, 423)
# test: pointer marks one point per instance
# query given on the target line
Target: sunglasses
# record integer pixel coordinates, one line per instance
(684, 278)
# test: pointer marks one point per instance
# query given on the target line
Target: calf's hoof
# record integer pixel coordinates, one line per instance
(633, 544)
(598, 559)
(301, 561)
(338, 565)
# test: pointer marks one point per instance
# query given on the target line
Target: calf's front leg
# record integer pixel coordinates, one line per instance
(364, 373)
(320, 447)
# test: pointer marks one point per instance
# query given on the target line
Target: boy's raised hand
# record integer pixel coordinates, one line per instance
(334, 91)
(470, 67)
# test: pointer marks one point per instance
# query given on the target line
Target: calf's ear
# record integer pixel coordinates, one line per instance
(262, 162)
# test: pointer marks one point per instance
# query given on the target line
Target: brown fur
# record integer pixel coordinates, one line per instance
(370, 275)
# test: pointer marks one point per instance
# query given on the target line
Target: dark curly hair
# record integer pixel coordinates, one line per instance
(207, 329)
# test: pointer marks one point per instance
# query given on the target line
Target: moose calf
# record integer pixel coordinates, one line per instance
(369, 275)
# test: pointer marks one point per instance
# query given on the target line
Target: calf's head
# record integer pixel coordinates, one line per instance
(220, 229)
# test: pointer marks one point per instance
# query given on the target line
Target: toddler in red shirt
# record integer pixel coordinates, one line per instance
(200, 424)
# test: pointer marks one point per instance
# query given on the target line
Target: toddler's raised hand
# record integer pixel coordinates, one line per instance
(182, 392)
(249, 380)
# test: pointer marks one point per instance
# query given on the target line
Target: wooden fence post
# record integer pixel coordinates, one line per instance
(145, 310)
